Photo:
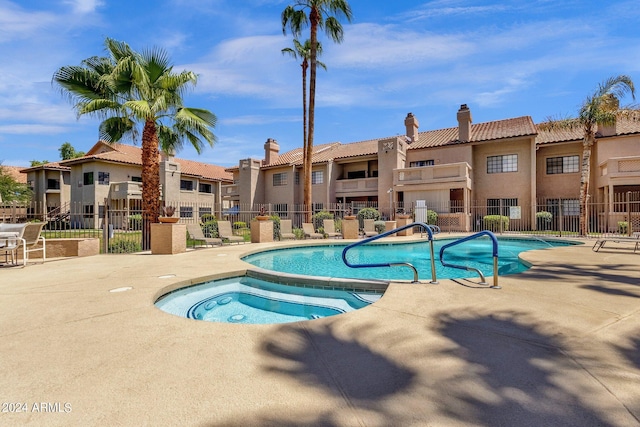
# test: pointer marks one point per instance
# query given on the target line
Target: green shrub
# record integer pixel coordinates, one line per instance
(367, 213)
(379, 226)
(276, 227)
(124, 246)
(338, 223)
(543, 220)
(207, 217)
(318, 219)
(432, 217)
(299, 232)
(623, 227)
(238, 225)
(492, 222)
(210, 227)
(135, 222)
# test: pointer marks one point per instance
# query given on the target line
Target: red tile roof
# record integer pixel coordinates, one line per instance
(129, 154)
(624, 126)
(14, 172)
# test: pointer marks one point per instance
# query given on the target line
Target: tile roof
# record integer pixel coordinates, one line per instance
(129, 154)
(499, 129)
(14, 172)
(487, 131)
(46, 166)
(624, 126)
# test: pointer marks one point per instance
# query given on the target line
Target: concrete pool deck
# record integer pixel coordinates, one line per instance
(558, 345)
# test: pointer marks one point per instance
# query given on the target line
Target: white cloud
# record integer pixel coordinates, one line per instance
(84, 6)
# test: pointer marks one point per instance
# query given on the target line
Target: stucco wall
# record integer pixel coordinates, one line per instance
(562, 185)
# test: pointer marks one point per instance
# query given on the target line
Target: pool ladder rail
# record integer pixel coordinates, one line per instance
(426, 227)
(430, 230)
(494, 240)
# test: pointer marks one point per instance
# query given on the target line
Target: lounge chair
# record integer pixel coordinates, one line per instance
(330, 229)
(601, 241)
(370, 228)
(226, 234)
(196, 234)
(310, 232)
(286, 232)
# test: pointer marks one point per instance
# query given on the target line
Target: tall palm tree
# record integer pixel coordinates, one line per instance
(322, 14)
(303, 51)
(127, 89)
(602, 108)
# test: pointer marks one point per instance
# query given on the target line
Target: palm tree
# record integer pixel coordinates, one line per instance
(303, 51)
(602, 108)
(128, 88)
(323, 14)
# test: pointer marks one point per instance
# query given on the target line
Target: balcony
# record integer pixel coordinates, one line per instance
(361, 186)
(619, 169)
(438, 174)
(230, 190)
(125, 190)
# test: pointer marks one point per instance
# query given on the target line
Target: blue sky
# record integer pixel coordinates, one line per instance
(504, 59)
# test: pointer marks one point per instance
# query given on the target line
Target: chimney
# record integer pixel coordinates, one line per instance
(411, 124)
(464, 123)
(607, 130)
(271, 150)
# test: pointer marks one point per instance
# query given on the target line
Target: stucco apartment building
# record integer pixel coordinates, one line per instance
(503, 167)
(112, 173)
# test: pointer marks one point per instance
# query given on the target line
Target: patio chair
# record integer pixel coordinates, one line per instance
(310, 232)
(370, 228)
(10, 239)
(196, 234)
(226, 233)
(330, 229)
(286, 232)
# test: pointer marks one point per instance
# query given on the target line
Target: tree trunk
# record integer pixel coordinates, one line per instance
(585, 176)
(314, 19)
(150, 181)
(305, 65)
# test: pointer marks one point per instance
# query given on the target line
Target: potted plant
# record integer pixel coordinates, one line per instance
(167, 215)
(263, 215)
(348, 214)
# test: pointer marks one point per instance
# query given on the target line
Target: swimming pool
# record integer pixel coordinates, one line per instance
(245, 299)
(326, 260)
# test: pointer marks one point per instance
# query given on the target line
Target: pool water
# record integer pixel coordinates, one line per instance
(250, 300)
(327, 261)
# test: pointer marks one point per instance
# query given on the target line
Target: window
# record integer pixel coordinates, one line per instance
(204, 188)
(53, 184)
(279, 179)
(500, 164)
(565, 164)
(88, 210)
(421, 163)
(317, 177)
(204, 211)
(186, 185)
(570, 207)
(186, 212)
(493, 206)
(296, 178)
(374, 174)
(356, 174)
(281, 209)
(136, 179)
(103, 178)
(87, 178)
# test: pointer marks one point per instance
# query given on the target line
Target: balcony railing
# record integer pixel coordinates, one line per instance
(230, 190)
(621, 167)
(359, 185)
(125, 190)
(450, 172)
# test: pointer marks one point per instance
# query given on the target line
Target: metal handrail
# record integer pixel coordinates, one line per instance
(392, 264)
(464, 267)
